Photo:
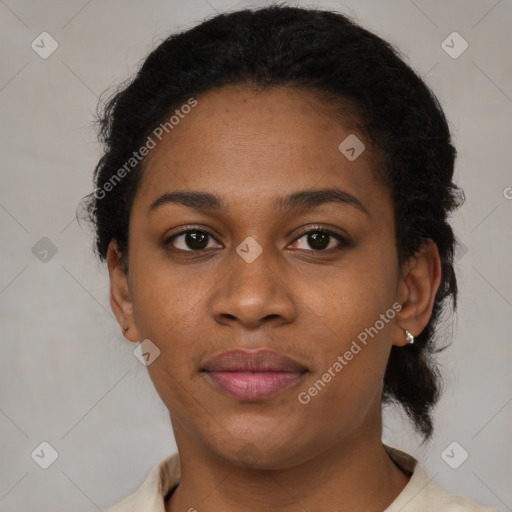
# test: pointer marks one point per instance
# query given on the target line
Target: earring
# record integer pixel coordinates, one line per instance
(409, 337)
(125, 328)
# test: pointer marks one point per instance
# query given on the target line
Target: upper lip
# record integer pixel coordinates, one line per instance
(263, 360)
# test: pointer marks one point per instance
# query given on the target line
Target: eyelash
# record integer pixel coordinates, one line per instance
(344, 243)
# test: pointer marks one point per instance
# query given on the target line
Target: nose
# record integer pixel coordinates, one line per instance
(254, 294)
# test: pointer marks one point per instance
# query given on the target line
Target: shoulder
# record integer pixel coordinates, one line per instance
(150, 495)
(422, 494)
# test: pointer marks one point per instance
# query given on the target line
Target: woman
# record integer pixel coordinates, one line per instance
(272, 204)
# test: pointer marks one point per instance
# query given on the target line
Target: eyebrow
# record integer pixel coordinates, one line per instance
(301, 200)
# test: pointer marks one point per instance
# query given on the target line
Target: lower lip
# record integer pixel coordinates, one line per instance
(253, 386)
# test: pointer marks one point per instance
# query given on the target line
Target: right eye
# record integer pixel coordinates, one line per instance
(196, 240)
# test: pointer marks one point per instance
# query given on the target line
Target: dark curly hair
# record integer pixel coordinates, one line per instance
(326, 53)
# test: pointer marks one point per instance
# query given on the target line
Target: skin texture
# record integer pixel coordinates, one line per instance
(250, 147)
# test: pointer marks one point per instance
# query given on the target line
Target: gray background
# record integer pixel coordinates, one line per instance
(69, 378)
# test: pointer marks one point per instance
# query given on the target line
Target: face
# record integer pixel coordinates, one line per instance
(257, 271)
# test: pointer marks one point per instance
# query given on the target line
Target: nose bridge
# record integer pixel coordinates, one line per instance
(252, 267)
(253, 290)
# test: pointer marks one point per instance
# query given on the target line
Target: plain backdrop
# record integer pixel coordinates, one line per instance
(68, 377)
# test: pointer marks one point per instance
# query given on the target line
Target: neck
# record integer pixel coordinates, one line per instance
(355, 475)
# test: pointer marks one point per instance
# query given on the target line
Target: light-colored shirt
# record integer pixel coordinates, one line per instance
(421, 494)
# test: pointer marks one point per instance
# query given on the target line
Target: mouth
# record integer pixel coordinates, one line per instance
(252, 376)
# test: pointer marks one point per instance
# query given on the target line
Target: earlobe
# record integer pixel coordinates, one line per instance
(120, 296)
(417, 290)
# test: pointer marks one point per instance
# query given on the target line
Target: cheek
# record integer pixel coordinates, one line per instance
(350, 358)
(352, 299)
(167, 313)
(352, 316)
(163, 296)
(169, 310)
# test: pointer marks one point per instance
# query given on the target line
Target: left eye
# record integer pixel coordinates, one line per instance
(320, 239)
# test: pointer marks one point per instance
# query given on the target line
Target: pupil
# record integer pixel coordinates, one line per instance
(315, 237)
(195, 240)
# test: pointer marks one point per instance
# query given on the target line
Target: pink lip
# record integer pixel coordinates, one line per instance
(253, 375)
(253, 386)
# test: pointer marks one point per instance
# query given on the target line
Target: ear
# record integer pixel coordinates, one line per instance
(419, 282)
(120, 295)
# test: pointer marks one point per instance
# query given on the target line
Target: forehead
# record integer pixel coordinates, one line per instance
(249, 147)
